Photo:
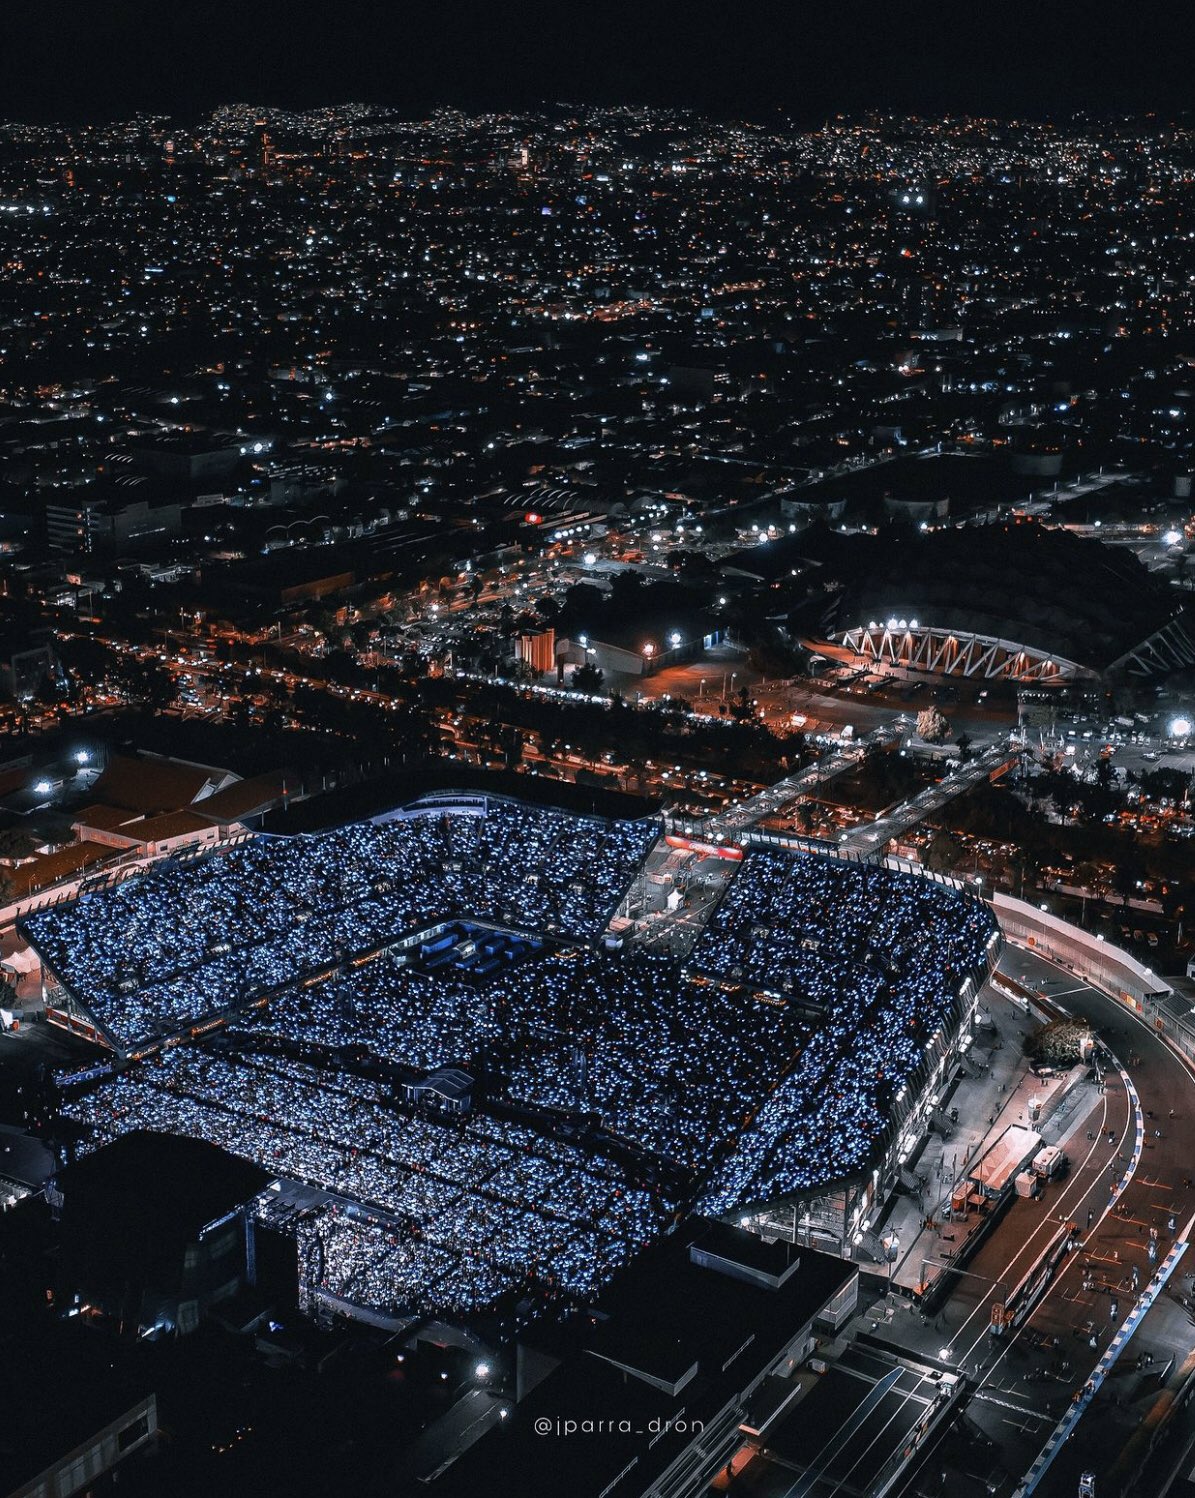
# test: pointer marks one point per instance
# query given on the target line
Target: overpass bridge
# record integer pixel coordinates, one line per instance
(736, 820)
(870, 837)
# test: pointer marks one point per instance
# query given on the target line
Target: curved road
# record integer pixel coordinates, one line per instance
(1022, 1387)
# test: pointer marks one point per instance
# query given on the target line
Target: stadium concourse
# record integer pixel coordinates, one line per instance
(483, 1104)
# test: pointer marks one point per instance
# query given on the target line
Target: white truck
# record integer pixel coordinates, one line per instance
(1050, 1163)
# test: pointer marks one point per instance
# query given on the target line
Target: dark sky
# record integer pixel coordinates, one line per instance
(64, 59)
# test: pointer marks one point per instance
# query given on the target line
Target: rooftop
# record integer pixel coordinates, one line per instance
(675, 1344)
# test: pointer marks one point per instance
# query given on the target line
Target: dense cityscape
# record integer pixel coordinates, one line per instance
(597, 722)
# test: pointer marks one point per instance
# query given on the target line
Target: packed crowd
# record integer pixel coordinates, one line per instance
(883, 956)
(664, 1062)
(770, 1068)
(502, 1205)
(668, 1063)
(364, 1261)
(182, 942)
(397, 1013)
(375, 1263)
(792, 921)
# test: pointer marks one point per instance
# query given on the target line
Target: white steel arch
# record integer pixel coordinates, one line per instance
(956, 652)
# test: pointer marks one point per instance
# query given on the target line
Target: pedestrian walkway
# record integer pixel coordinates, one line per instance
(1002, 1093)
(736, 820)
(869, 836)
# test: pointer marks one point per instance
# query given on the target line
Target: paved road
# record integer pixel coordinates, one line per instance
(869, 837)
(1021, 1389)
(1158, 1192)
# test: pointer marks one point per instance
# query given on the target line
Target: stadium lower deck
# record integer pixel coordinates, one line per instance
(284, 1000)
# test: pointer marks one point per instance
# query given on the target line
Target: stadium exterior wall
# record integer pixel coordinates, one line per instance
(838, 1216)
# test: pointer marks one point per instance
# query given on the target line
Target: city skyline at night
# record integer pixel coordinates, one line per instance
(597, 736)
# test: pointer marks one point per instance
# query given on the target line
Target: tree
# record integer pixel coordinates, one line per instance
(1091, 875)
(150, 682)
(48, 693)
(694, 565)
(583, 602)
(625, 588)
(88, 659)
(942, 854)
(588, 678)
(1025, 865)
(16, 844)
(1126, 876)
(932, 726)
(1058, 1044)
(512, 747)
(240, 712)
(1165, 782)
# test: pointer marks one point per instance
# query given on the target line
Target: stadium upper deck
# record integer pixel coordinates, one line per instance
(182, 943)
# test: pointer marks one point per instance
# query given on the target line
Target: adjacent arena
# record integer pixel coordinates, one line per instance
(1019, 602)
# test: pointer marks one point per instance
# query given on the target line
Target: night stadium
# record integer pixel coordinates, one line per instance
(1023, 602)
(476, 1099)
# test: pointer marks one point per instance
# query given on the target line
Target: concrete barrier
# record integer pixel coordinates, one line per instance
(1081, 952)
